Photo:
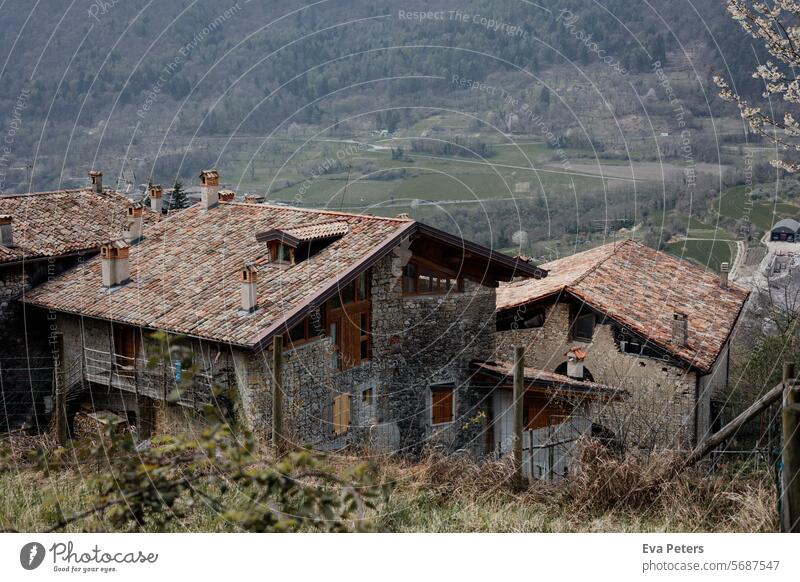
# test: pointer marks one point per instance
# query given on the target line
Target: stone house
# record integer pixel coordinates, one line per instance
(43, 234)
(385, 324)
(633, 318)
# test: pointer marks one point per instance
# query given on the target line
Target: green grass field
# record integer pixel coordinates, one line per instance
(707, 253)
(734, 203)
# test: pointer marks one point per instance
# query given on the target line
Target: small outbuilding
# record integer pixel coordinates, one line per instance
(787, 230)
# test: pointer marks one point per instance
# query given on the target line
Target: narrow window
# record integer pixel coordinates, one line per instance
(366, 396)
(583, 327)
(441, 404)
(365, 344)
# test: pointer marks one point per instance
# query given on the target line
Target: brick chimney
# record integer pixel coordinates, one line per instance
(209, 189)
(249, 278)
(114, 263)
(680, 329)
(251, 198)
(6, 230)
(575, 358)
(133, 227)
(156, 193)
(724, 269)
(97, 181)
(227, 195)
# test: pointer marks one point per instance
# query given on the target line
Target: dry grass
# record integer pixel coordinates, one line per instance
(454, 493)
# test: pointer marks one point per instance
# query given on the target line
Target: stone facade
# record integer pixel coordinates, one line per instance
(417, 341)
(26, 369)
(668, 402)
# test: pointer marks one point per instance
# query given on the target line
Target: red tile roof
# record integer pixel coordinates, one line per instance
(49, 224)
(642, 288)
(185, 271)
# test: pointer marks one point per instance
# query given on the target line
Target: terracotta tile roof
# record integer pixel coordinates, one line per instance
(48, 224)
(184, 272)
(317, 231)
(642, 288)
(549, 382)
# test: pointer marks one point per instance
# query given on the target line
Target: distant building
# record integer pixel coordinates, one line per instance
(785, 230)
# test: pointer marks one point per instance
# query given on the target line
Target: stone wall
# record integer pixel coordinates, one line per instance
(416, 342)
(659, 411)
(26, 370)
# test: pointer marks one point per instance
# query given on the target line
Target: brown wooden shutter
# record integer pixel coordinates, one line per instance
(341, 413)
(442, 405)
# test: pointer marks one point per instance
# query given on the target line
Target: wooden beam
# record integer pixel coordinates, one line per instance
(60, 419)
(730, 429)
(790, 496)
(519, 398)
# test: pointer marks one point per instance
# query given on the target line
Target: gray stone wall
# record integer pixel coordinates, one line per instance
(660, 409)
(25, 359)
(416, 342)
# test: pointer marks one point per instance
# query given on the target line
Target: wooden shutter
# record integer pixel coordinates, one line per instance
(441, 405)
(341, 413)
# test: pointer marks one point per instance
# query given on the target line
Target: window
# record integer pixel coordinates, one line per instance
(523, 317)
(441, 404)
(302, 332)
(280, 253)
(126, 346)
(341, 414)
(366, 396)
(418, 280)
(583, 327)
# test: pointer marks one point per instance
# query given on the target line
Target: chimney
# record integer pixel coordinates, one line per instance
(133, 226)
(6, 230)
(250, 198)
(249, 278)
(209, 189)
(575, 358)
(680, 329)
(114, 263)
(724, 269)
(156, 196)
(227, 195)
(97, 181)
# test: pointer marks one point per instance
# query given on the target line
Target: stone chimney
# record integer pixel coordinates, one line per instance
(97, 181)
(680, 329)
(724, 269)
(133, 227)
(575, 358)
(227, 195)
(114, 263)
(6, 230)
(249, 278)
(156, 196)
(209, 189)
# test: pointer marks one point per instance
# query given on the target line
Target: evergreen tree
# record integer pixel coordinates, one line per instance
(178, 200)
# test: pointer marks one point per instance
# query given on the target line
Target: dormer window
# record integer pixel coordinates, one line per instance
(281, 253)
(288, 246)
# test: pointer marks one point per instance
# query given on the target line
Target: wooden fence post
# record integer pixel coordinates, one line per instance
(60, 426)
(518, 398)
(790, 496)
(277, 394)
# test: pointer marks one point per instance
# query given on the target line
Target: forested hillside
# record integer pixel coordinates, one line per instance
(178, 68)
